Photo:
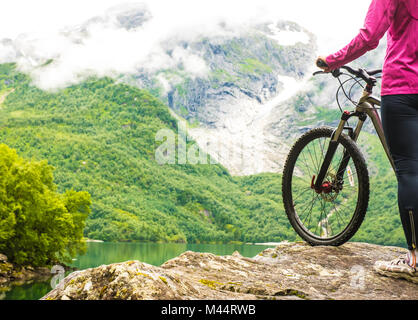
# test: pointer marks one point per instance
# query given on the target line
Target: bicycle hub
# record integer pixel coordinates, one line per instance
(326, 187)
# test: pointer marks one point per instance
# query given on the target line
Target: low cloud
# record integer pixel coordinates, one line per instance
(84, 38)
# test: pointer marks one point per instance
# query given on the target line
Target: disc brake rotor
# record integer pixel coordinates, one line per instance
(331, 196)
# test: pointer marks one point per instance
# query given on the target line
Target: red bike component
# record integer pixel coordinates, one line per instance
(325, 188)
(313, 183)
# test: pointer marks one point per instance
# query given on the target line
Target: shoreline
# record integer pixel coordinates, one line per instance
(11, 274)
(268, 243)
(93, 240)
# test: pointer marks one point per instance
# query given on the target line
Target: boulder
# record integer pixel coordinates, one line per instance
(288, 271)
(3, 258)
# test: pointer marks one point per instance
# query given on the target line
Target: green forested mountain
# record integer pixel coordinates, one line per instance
(100, 137)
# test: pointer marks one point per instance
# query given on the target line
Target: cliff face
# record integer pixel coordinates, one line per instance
(289, 271)
(227, 85)
(208, 73)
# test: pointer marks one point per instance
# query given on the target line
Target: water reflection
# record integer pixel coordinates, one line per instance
(107, 253)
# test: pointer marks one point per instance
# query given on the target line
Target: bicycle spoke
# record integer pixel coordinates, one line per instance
(309, 221)
(317, 161)
(315, 214)
(300, 195)
(317, 165)
(337, 215)
(309, 204)
(306, 163)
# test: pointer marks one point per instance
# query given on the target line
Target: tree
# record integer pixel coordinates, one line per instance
(38, 226)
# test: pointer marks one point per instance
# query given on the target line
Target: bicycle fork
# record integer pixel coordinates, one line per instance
(319, 186)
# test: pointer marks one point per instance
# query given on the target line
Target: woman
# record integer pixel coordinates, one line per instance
(399, 107)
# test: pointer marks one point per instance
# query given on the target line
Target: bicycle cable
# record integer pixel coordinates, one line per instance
(341, 87)
(356, 78)
(349, 95)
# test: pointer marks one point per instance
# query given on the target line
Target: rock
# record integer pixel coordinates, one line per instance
(13, 274)
(6, 269)
(289, 271)
(3, 258)
(236, 254)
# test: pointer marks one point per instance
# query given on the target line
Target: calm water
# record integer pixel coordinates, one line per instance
(106, 253)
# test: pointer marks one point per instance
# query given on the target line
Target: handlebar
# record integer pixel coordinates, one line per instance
(366, 75)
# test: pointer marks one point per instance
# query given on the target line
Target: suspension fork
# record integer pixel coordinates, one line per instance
(333, 145)
(354, 136)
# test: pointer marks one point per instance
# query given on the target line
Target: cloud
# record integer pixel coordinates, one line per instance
(327, 18)
(79, 45)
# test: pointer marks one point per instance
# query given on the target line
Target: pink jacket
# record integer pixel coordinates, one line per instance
(400, 19)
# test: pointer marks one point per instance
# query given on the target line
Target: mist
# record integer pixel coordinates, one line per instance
(78, 45)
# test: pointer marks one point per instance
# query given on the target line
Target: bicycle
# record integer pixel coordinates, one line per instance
(325, 175)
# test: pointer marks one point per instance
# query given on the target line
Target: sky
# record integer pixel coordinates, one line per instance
(36, 26)
(334, 22)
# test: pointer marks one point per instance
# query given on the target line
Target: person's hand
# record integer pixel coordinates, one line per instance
(324, 68)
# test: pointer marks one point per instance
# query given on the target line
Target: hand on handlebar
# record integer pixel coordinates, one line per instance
(321, 63)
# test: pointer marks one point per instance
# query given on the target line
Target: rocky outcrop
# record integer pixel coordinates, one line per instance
(289, 271)
(248, 73)
(214, 72)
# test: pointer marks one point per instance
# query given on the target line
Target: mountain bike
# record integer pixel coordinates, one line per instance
(325, 184)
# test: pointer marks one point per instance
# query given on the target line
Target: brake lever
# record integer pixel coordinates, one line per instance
(336, 73)
(370, 80)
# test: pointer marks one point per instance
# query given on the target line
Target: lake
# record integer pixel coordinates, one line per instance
(99, 253)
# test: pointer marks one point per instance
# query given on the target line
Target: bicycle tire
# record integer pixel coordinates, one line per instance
(363, 191)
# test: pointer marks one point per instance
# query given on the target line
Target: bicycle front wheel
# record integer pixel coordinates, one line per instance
(332, 216)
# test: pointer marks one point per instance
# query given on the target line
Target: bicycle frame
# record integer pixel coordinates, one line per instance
(367, 104)
(364, 108)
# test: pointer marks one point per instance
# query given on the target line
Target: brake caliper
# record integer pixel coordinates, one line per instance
(326, 187)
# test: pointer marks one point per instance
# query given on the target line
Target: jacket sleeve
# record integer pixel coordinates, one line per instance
(378, 20)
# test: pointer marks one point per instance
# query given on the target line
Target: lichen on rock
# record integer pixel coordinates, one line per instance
(288, 271)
